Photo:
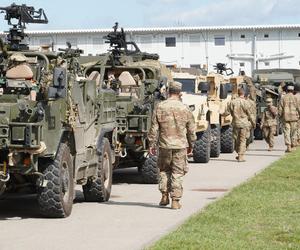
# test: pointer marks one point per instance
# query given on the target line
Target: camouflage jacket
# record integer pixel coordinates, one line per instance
(252, 109)
(240, 110)
(289, 109)
(269, 117)
(173, 126)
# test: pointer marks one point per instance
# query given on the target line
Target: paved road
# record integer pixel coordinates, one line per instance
(132, 219)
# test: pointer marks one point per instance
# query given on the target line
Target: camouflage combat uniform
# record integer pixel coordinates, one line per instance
(269, 124)
(289, 113)
(298, 126)
(173, 129)
(242, 119)
(253, 118)
(251, 87)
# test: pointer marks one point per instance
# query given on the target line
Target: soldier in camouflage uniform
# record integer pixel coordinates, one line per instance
(173, 131)
(269, 123)
(250, 85)
(252, 104)
(297, 95)
(289, 114)
(242, 119)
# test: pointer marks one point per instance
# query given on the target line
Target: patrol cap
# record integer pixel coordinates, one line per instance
(175, 87)
(269, 100)
(290, 87)
(18, 57)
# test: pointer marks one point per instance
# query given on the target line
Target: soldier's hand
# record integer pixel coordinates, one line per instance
(152, 151)
(189, 151)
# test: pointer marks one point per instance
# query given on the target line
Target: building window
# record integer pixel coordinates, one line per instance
(195, 66)
(267, 64)
(298, 34)
(243, 36)
(266, 35)
(219, 41)
(242, 64)
(170, 41)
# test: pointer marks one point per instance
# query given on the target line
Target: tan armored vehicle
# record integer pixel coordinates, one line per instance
(197, 102)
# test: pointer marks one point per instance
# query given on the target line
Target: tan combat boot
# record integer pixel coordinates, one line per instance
(288, 149)
(175, 204)
(241, 158)
(164, 200)
(270, 148)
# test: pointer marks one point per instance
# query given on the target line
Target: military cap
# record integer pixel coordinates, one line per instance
(175, 86)
(269, 100)
(290, 87)
(18, 57)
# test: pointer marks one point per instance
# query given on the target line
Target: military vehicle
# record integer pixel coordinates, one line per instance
(56, 126)
(197, 102)
(269, 84)
(207, 96)
(140, 81)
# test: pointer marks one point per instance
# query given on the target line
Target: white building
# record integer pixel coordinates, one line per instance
(241, 47)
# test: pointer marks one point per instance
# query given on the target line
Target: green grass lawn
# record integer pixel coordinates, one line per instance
(263, 213)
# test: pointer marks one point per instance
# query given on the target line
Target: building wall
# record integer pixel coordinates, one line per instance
(244, 49)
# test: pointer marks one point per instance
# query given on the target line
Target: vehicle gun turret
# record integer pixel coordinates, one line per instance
(222, 67)
(23, 15)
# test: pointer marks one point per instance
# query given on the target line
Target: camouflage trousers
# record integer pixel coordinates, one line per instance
(240, 136)
(172, 164)
(290, 133)
(269, 135)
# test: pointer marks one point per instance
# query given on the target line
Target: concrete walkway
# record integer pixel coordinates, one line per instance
(131, 219)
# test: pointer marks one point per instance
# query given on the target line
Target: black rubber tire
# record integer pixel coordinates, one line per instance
(227, 141)
(258, 133)
(56, 199)
(99, 189)
(201, 150)
(149, 170)
(215, 145)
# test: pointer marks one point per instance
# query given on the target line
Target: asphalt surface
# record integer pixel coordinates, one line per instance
(132, 218)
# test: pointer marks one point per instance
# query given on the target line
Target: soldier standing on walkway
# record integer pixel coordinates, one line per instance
(173, 131)
(269, 123)
(297, 95)
(289, 114)
(250, 85)
(242, 119)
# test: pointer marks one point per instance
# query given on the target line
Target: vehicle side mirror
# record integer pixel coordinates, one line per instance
(58, 89)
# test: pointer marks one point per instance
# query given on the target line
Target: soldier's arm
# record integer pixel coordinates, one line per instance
(190, 128)
(227, 110)
(280, 108)
(153, 132)
(250, 114)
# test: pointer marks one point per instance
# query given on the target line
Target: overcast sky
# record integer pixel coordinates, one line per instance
(67, 14)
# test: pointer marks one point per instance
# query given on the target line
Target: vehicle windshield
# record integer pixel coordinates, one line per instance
(188, 85)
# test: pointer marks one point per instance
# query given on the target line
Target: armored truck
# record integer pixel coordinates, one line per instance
(140, 81)
(198, 103)
(57, 127)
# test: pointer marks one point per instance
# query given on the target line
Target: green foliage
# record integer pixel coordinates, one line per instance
(263, 213)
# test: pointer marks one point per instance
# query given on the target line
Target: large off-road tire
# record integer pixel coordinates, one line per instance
(201, 150)
(99, 189)
(215, 145)
(56, 198)
(227, 141)
(149, 171)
